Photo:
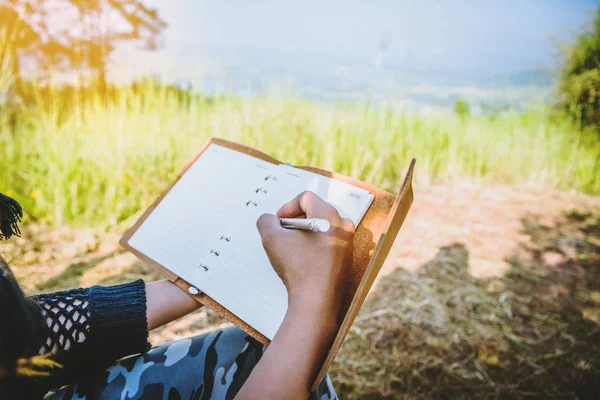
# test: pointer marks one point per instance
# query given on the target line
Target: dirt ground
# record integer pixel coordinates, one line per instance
(487, 292)
(487, 220)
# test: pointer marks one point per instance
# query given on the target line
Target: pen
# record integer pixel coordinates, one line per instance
(306, 224)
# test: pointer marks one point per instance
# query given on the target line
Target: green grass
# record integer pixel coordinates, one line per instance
(99, 163)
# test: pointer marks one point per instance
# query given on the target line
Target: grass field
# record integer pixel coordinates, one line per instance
(96, 162)
(503, 300)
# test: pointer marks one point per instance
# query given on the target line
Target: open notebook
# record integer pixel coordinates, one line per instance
(204, 229)
(201, 234)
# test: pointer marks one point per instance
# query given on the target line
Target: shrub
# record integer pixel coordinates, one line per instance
(579, 81)
(461, 108)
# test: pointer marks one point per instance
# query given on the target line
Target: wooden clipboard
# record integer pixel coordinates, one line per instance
(372, 242)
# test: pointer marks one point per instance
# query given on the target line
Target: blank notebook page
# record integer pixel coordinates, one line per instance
(204, 229)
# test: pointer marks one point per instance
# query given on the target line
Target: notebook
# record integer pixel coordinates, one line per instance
(201, 234)
(204, 229)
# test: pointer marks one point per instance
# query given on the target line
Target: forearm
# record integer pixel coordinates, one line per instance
(289, 366)
(97, 325)
(167, 302)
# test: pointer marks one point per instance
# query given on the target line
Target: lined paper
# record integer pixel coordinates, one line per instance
(204, 230)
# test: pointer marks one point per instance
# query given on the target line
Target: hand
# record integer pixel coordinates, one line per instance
(313, 266)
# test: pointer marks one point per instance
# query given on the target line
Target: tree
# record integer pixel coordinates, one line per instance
(18, 34)
(106, 23)
(84, 44)
(461, 108)
(579, 81)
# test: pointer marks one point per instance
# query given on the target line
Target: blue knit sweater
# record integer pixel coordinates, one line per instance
(88, 329)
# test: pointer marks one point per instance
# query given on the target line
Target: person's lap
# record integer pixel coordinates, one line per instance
(214, 365)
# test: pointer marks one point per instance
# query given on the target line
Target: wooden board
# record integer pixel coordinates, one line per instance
(372, 241)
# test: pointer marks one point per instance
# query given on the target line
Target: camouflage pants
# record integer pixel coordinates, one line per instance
(214, 365)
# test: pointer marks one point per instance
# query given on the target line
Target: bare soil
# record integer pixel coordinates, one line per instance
(487, 292)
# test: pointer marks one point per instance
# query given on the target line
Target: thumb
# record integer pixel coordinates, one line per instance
(268, 224)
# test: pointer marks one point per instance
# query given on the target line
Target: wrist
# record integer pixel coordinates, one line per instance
(314, 304)
(320, 321)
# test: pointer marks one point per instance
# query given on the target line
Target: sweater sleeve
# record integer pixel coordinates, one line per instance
(95, 327)
(88, 329)
(118, 320)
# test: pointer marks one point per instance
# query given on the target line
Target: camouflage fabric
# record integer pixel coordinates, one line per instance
(210, 366)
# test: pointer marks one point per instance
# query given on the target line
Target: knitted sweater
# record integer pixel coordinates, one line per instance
(88, 329)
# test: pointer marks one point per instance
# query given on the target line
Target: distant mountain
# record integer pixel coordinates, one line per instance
(325, 78)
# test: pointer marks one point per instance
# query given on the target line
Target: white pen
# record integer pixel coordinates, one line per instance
(306, 224)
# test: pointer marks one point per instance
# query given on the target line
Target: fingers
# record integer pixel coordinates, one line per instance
(309, 204)
(291, 209)
(268, 224)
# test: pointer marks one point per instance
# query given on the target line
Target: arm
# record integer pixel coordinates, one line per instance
(108, 322)
(289, 365)
(90, 328)
(167, 302)
(314, 269)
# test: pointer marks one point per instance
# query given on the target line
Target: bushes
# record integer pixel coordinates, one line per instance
(461, 108)
(579, 81)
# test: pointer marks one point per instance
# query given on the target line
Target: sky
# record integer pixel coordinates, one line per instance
(473, 36)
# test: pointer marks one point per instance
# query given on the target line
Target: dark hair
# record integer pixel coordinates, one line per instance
(22, 326)
(10, 216)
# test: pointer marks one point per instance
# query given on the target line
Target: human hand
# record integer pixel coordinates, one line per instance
(313, 266)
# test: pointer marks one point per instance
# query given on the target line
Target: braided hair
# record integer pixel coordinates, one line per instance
(10, 215)
(22, 327)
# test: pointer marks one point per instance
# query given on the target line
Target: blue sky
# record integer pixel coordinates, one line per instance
(486, 36)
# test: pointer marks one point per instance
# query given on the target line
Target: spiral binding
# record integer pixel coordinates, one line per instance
(261, 190)
(249, 203)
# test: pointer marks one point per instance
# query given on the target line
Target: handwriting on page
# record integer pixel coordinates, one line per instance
(204, 230)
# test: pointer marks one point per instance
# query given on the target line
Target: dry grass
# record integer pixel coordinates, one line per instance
(435, 331)
(440, 333)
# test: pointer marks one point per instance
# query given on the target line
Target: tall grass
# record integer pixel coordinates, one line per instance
(99, 162)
